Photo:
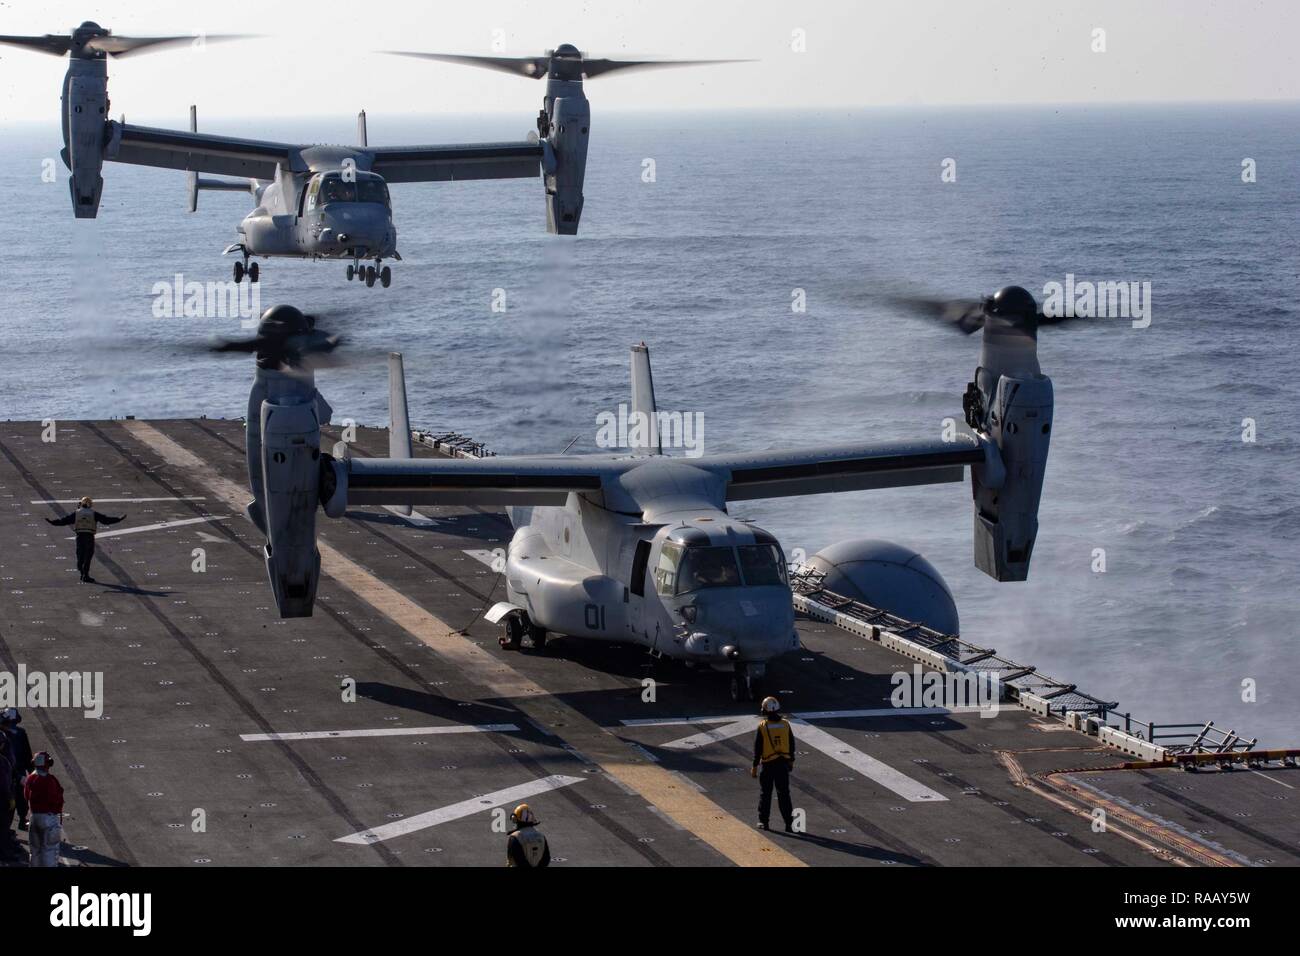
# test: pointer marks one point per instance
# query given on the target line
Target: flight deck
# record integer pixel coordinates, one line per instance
(391, 729)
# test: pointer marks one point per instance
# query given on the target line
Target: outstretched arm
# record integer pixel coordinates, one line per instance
(105, 519)
(68, 518)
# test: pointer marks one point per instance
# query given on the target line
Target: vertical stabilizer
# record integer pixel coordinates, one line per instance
(399, 421)
(643, 423)
(192, 178)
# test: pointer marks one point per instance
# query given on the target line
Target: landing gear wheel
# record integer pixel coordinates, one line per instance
(253, 272)
(352, 273)
(739, 689)
(239, 272)
(512, 633)
(536, 638)
(385, 277)
(370, 277)
(754, 686)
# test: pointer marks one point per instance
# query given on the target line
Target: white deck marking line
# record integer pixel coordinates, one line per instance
(381, 732)
(1274, 779)
(809, 715)
(158, 527)
(737, 841)
(414, 518)
(833, 747)
(455, 811)
(102, 501)
(696, 741)
(482, 556)
(865, 764)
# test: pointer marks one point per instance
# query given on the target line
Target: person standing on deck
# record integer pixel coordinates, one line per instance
(85, 521)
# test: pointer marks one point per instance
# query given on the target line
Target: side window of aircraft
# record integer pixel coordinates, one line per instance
(762, 564)
(639, 561)
(313, 192)
(666, 568)
(705, 567)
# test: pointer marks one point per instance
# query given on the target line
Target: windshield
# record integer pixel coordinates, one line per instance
(365, 189)
(707, 568)
(762, 564)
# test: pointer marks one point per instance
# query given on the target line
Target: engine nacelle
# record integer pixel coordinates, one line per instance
(569, 120)
(891, 577)
(85, 109)
(1010, 403)
(291, 471)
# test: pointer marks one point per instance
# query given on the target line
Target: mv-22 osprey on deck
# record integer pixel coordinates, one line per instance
(319, 201)
(640, 547)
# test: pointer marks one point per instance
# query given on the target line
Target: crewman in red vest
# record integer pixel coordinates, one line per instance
(45, 799)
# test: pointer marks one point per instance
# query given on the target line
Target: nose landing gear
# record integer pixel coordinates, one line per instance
(370, 274)
(246, 268)
(747, 682)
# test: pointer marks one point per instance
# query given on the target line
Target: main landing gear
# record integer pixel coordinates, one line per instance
(747, 682)
(516, 628)
(369, 274)
(247, 268)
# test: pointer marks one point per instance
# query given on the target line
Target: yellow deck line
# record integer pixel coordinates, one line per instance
(667, 791)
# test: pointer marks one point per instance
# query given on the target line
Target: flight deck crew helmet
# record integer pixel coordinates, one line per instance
(42, 762)
(10, 715)
(771, 705)
(86, 502)
(524, 815)
(1011, 302)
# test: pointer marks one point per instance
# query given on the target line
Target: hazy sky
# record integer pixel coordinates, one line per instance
(317, 57)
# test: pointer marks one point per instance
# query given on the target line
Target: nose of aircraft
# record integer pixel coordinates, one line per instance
(755, 623)
(357, 225)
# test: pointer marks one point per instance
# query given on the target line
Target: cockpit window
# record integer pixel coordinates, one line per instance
(666, 568)
(707, 567)
(366, 188)
(762, 564)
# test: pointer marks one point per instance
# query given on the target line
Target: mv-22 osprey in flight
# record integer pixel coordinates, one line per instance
(638, 546)
(321, 201)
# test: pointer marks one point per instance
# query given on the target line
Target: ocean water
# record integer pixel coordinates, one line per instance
(1201, 530)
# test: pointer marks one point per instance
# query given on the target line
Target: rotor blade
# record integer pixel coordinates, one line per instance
(126, 46)
(965, 315)
(51, 44)
(593, 68)
(533, 67)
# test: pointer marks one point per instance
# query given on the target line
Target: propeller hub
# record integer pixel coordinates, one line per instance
(1011, 302)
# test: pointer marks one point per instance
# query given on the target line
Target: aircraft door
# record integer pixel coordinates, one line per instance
(636, 586)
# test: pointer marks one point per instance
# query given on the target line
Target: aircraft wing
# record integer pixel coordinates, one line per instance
(813, 471)
(483, 481)
(431, 164)
(196, 152)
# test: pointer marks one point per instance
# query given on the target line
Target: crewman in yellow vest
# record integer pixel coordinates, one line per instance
(773, 761)
(85, 521)
(526, 846)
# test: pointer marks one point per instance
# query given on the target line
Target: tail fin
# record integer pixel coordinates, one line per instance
(399, 422)
(194, 182)
(192, 178)
(361, 129)
(643, 434)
